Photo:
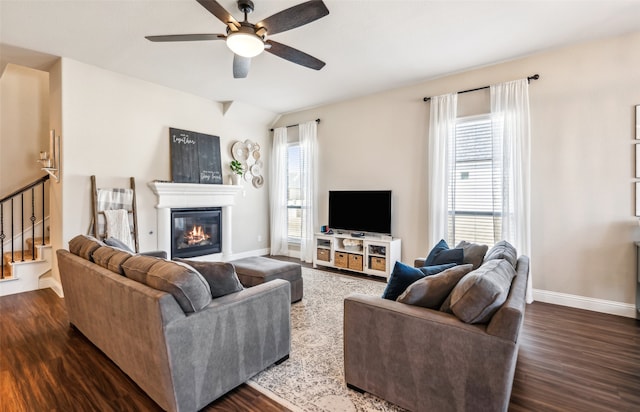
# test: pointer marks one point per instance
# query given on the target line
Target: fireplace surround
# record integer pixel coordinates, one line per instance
(192, 195)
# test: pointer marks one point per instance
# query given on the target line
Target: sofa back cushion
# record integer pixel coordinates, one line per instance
(111, 258)
(503, 250)
(431, 291)
(480, 293)
(84, 246)
(187, 286)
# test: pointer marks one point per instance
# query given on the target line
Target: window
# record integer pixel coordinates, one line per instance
(474, 196)
(294, 194)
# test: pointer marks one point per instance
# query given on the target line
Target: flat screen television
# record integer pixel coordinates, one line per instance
(360, 210)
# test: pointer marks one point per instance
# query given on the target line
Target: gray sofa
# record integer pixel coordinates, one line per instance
(429, 360)
(182, 359)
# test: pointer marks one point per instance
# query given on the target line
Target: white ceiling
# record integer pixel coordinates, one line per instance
(368, 46)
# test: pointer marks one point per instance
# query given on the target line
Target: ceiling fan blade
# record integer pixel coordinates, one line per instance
(293, 17)
(186, 37)
(294, 55)
(241, 66)
(220, 12)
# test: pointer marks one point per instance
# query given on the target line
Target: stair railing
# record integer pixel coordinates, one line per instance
(9, 201)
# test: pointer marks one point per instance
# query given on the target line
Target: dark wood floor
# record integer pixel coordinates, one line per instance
(570, 360)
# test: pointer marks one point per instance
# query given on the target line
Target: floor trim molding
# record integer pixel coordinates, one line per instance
(582, 302)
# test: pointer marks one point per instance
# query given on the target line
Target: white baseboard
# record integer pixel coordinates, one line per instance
(581, 302)
(250, 253)
(50, 282)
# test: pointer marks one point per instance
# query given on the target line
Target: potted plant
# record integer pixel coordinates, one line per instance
(237, 170)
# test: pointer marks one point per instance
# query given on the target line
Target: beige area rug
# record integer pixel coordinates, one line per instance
(312, 379)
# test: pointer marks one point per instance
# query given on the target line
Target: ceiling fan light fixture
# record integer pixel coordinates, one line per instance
(245, 44)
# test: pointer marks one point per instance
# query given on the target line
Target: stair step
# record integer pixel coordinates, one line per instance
(17, 256)
(29, 241)
(8, 272)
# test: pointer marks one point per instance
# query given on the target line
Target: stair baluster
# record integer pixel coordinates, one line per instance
(9, 202)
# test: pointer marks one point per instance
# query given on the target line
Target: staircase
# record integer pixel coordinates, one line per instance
(24, 260)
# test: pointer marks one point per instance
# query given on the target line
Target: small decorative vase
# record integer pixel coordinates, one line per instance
(236, 179)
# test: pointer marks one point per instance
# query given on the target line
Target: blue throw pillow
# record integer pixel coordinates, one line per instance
(441, 254)
(404, 275)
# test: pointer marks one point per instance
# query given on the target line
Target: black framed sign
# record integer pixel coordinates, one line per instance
(195, 157)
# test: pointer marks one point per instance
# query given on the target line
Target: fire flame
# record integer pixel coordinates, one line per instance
(196, 235)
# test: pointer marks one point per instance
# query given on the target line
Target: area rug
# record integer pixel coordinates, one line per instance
(312, 379)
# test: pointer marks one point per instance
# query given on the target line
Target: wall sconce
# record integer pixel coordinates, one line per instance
(50, 161)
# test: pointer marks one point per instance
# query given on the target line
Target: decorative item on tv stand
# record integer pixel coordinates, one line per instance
(368, 253)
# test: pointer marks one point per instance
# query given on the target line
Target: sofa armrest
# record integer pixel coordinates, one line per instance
(419, 262)
(155, 253)
(236, 336)
(422, 359)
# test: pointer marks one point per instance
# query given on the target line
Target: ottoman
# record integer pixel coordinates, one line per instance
(255, 270)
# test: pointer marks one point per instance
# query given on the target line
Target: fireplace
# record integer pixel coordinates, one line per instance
(196, 231)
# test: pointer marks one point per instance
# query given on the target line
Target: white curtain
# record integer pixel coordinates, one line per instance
(278, 193)
(510, 114)
(309, 187)
(442, 128)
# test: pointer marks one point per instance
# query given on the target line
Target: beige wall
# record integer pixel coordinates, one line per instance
(582, 155)
(24, 125)
(116, 126)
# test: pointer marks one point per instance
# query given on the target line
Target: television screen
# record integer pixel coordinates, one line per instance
(360, 210)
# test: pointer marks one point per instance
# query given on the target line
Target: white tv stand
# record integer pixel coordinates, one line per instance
(371, 254)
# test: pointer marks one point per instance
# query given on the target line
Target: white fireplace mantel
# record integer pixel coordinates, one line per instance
(188, 195)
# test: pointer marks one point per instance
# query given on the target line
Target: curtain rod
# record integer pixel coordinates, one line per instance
(534, 77)
(294, 125)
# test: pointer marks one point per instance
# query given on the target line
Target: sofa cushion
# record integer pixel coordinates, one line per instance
(404, 275)
(431, 291)
(187, 286)
(84, 246)
(111, 258)
(472, 253)
(441, 254)
(221, 277)
(503, 250)
(138, 266)
(480, 293)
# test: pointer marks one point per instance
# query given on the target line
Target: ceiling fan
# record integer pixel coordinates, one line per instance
(248, 40)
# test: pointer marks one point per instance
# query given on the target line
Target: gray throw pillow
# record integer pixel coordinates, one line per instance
(503, 250)
(431, 291)
(480, 293)
(112, 241)
(221, 277)
(472, 253)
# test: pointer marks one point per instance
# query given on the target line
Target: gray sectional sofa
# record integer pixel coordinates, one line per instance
(182, 346)
(429, 359)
